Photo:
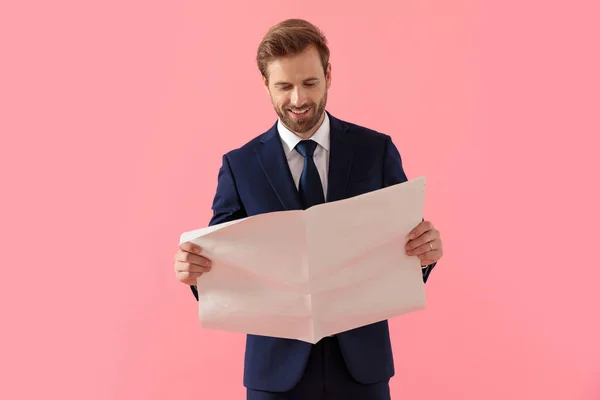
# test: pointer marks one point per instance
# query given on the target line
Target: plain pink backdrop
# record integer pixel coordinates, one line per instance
(114, 116)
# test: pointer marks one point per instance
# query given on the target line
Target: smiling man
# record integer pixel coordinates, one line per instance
(307, 157)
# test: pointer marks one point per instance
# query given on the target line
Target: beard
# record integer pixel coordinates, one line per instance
(305, 124)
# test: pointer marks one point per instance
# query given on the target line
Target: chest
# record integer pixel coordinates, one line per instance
(275, 188)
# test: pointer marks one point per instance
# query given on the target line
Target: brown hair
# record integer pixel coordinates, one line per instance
(288, 38)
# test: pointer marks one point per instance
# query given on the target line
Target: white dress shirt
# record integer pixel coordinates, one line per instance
(295, 160)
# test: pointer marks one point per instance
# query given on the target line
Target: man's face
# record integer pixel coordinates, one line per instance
(298, 87)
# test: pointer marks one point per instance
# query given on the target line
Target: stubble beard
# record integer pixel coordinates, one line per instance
(302, 125)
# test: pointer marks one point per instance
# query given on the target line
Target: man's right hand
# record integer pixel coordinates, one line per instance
(189, 264)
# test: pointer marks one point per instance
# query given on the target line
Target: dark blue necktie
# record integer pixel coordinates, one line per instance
(310, 188)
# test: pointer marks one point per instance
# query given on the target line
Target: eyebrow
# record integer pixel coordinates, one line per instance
(281, 83)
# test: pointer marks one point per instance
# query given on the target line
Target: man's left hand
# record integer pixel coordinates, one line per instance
(425, 242)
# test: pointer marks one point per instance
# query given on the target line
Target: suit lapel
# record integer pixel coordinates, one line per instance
(340, 159)
(275, 166)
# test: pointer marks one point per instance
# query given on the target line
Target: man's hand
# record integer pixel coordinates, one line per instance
(189, 264)
(425, 242)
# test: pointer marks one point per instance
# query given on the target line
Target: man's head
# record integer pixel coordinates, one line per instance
(293, 59)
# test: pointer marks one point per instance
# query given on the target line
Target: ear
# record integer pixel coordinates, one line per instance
(266, 84)
(328, 75)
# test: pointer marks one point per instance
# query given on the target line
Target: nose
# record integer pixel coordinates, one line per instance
(298, 98)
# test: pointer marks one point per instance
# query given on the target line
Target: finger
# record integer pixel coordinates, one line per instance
(187, 277)
(190, 247)
(191, 258)
(192, 281)
(421, 240)
(424, 248)
(187, 267)
(420, 229)
(419, 250)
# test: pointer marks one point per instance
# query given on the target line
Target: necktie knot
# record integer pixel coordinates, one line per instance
(306, 148)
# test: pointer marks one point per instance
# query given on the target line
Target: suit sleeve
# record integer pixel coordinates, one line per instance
(393, 173)
(227, 205)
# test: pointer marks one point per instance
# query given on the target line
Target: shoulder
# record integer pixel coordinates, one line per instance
(247, 149)
(361, 133)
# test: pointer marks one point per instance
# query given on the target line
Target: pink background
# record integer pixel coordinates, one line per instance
(114, 116)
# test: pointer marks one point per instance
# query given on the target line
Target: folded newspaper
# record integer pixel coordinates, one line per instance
(307, 274)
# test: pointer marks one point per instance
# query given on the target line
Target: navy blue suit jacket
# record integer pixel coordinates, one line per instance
(256, 179)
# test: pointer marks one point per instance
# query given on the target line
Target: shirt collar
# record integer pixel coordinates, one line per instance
(290, 139)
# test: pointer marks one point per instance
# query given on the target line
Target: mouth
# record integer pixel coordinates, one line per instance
(300, 113)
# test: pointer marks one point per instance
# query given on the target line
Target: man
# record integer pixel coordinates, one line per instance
(307, 157)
